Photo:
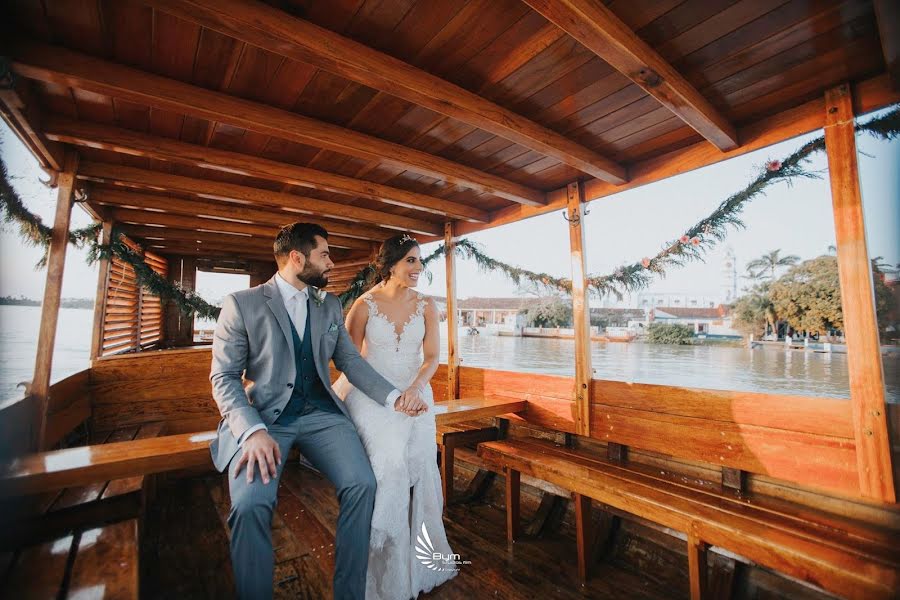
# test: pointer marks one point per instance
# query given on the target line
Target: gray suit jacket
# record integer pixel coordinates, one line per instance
(253, 339)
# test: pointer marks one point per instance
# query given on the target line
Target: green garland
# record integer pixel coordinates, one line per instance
(31, 228)
(690, 246)
(187, 301)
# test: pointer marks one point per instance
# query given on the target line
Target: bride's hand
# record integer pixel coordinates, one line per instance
(411, 402)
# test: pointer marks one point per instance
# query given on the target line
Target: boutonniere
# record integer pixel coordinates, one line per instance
(317, 295)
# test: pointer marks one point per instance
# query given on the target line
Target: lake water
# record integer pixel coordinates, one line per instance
(713, 367)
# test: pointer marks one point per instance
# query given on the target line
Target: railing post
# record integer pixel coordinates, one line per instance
(580, 308)
(100, 299)
(452, 317)
(873, 453)
(40, 384)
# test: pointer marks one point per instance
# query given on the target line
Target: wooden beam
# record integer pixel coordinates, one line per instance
(272, 29)
(40, 385)
(23, 115)
(887, 14)
(580, 308)
(452, 316)
(202, 249)
(155, 180)
(260, 221)
(869, 95)
(603, 33)
(873, 449)
(123, 141)
(64, 67)
(167, 234)
(100, 299)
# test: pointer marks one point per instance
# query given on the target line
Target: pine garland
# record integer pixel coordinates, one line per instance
(187, 301)
(31, 228)
(689, 247)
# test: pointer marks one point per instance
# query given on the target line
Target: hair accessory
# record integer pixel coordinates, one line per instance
(407, 238)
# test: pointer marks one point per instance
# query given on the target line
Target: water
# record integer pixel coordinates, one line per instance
(19, 327)
(711, 367)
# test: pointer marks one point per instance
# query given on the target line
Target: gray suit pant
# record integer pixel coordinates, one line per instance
(331, 444)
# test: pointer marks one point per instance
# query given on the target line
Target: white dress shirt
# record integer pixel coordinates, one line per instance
(295, 303)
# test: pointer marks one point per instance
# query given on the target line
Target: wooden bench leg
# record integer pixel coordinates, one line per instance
(582, 533)
(447, 474)
(512, 504)
(697, 566)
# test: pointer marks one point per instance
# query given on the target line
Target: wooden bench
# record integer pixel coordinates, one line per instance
(457, 435)
(94, 562)
(62, 541)
(835, 553)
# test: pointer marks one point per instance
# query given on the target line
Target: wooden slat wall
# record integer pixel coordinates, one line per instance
(134, 317)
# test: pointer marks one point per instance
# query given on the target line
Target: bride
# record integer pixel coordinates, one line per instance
(392, 325)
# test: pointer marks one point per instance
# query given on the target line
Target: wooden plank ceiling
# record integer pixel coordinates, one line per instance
(206, 124)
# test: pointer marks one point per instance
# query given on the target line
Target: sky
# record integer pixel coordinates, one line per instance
(620, 229)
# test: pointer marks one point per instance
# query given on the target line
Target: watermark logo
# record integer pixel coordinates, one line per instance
(434, 560)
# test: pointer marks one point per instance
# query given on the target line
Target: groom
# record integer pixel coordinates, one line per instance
(280, 336)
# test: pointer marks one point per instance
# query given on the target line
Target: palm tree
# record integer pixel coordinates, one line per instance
(766, 264)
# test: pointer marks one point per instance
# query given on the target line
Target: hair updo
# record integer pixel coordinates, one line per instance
(391, 252)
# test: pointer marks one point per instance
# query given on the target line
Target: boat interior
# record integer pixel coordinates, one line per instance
(192, 130)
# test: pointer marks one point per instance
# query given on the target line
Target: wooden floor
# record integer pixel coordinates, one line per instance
(185, 549)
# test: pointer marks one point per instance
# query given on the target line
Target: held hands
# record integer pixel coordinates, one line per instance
(259, 449)
(411, 402)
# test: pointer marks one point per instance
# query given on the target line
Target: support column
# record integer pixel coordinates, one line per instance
(580, 308)
(40, 385)
(100, 299)
(873, 455)
(452, 316)
(179, 327)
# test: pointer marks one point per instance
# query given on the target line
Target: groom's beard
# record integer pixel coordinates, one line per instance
(314, 277)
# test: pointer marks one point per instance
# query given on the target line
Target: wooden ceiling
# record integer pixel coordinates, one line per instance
(213, 122)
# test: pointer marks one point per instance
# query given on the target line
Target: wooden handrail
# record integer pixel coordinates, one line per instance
(46, 471)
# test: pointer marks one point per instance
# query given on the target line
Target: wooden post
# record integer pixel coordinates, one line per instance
(582, 534)
(697, 568)
(873, 457)
(513, 498)
(580, 308)
(452, 317)
(40, 385)
(100, 298)
(179, 328)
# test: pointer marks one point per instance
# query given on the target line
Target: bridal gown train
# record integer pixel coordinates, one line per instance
(402, 449)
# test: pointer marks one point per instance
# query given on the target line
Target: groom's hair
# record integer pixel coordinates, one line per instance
(297, 236)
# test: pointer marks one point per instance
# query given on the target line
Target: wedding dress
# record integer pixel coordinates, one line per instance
(407, 525)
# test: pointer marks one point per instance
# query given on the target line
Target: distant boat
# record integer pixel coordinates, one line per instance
(616, 334)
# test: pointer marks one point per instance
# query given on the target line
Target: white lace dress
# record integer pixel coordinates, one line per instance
(403, 453)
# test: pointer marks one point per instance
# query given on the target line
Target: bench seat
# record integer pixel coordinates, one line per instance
(451, 437)
(840, 555)
(96, 562)
(47, 515)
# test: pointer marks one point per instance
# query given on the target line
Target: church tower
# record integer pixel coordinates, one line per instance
(729, 278)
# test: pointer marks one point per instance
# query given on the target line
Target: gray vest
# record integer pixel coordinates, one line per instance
(308, 386)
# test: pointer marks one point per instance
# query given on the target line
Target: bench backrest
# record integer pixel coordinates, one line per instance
(800, 439)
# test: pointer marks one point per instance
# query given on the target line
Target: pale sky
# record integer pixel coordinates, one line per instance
(619, 229)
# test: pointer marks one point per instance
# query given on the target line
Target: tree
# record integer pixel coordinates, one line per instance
(554, 312)
(754, 312)
(808, 296)
(766, 264)
(670, 333)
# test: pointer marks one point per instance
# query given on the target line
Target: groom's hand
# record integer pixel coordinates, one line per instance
(259, 450)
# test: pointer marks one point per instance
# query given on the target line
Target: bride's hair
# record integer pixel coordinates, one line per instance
(392, 251)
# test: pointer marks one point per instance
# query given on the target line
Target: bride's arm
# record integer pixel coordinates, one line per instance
(431, 346)
(355, 323)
